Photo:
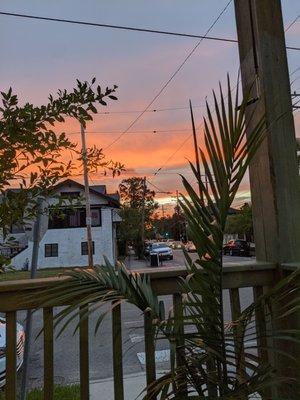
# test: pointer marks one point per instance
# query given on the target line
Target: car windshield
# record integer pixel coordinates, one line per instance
(158, 245)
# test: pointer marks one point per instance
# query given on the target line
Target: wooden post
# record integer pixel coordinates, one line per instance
(274, 176)
(87, 199)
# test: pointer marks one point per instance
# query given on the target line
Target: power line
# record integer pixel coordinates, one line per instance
(173, 154)
(170, 79)
(134, 132)
(292, 73)
(292, 23)
(120, 27)
(154, 110)
(157, 188)
(128, 28)
(190, 136)
(294, 80)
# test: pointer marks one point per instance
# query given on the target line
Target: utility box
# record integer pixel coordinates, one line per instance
(154, 260)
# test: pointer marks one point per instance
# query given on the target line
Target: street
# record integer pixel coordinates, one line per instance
(66, 369)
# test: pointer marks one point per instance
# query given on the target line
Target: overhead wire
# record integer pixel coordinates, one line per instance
(119, 27)
(148, 111)
(292, 23)
(133, 132)
(157, 188)
(166, 84)
(127, 28)
(158, 171)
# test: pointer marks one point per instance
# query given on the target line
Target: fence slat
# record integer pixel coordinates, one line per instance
(260, 319)
(235, 306)
(117, 353)
(84, 354)
(48, 353)
(180, 351)
(263, 342)
(11, 356)
(149, 349)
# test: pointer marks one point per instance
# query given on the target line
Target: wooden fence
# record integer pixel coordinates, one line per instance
(164, 281)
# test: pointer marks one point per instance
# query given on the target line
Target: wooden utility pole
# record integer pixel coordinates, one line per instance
(196, 149)
(274, 176)
(143, 215)
(28, 322)
(87, 199)
(274, 179)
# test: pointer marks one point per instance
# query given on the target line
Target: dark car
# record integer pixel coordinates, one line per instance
(237, 247)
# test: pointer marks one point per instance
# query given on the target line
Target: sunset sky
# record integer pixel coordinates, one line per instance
(39, 57)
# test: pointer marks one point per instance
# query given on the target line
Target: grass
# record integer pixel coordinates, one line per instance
(71, 392)
(42, 273)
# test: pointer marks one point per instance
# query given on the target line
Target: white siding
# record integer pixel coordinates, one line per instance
(69, 246)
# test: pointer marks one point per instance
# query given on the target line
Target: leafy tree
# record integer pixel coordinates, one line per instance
(241, 223)
(136, 199)
(172, 226)
(33, 157)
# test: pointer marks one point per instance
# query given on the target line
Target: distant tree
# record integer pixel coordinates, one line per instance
(170, 226)
(33, 157)
(241, 222)
(135, 196)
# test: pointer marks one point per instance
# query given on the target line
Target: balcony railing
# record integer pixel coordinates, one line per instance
(14, 295)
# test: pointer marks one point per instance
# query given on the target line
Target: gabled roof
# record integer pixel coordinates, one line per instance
(99, 188)
(111, 199)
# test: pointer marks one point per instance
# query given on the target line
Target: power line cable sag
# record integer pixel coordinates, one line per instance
(189, 136)
(127, 28)
(170, 79)
(292, 23)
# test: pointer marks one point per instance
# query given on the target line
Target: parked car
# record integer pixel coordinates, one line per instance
(190, 247)
(20, 348)
(176, 244)
(162, 249)
(237, 247)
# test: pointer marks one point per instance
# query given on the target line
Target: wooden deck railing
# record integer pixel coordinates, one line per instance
(164, 281)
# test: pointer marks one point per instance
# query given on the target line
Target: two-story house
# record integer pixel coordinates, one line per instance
(63, 235)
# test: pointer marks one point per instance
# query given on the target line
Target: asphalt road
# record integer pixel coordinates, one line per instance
(67, 345)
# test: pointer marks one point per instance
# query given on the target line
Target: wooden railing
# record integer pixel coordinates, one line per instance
(164, 281)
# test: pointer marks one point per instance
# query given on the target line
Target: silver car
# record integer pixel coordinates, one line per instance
(20, 348)
(162, 249)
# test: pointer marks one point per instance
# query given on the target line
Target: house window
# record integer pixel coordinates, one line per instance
(69, 195)
(70, 218)
(51, 250)
(96, 216)
(84, 248)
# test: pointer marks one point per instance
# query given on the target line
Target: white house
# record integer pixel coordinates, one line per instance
(63, 240)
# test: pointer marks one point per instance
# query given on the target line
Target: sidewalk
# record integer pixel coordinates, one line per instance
(132, 263)
(134, 384)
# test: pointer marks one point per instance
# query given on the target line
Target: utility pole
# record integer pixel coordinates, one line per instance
(143, 215)
(163, 219)
(178, 215)
(196, 150)
(87, 199)
(28, 323)
(274, 179)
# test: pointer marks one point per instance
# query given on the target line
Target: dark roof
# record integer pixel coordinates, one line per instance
(115, 196)
(112, 200)
(99, 188)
